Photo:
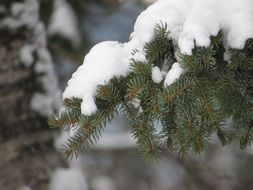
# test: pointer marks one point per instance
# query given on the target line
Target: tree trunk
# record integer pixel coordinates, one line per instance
(28, 94)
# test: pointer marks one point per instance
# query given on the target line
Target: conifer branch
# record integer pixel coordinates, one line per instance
(210, 92)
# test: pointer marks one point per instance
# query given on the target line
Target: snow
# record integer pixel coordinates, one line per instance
(17, 9)
(227, 56)
(68, 178)
(26, 13)
(22, 14)
(48, 101)
(136, 102)
(157, 75)
(173, 74)
(186, 25)
(73, 131)
(103, 183)
(40, 104)
(64, 23)
(26, 55)
(189, 22)
(99, 66)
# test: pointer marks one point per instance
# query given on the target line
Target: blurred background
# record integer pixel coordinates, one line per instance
(42, 42)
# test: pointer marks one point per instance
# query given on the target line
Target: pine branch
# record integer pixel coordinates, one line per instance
(210, 92)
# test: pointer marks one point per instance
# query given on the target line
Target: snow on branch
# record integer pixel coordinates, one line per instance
(190, 23)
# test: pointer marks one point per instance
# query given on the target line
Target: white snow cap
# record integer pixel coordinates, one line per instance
(173, 74)
(189, 21)
(157, 75)
(104, 61)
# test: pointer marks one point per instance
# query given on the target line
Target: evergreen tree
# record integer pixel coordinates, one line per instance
(28, 94)
(213, 91)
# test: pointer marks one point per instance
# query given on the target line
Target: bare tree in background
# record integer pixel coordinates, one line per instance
(28, 95)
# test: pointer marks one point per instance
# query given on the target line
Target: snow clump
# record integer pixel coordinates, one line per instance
(189, 22)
